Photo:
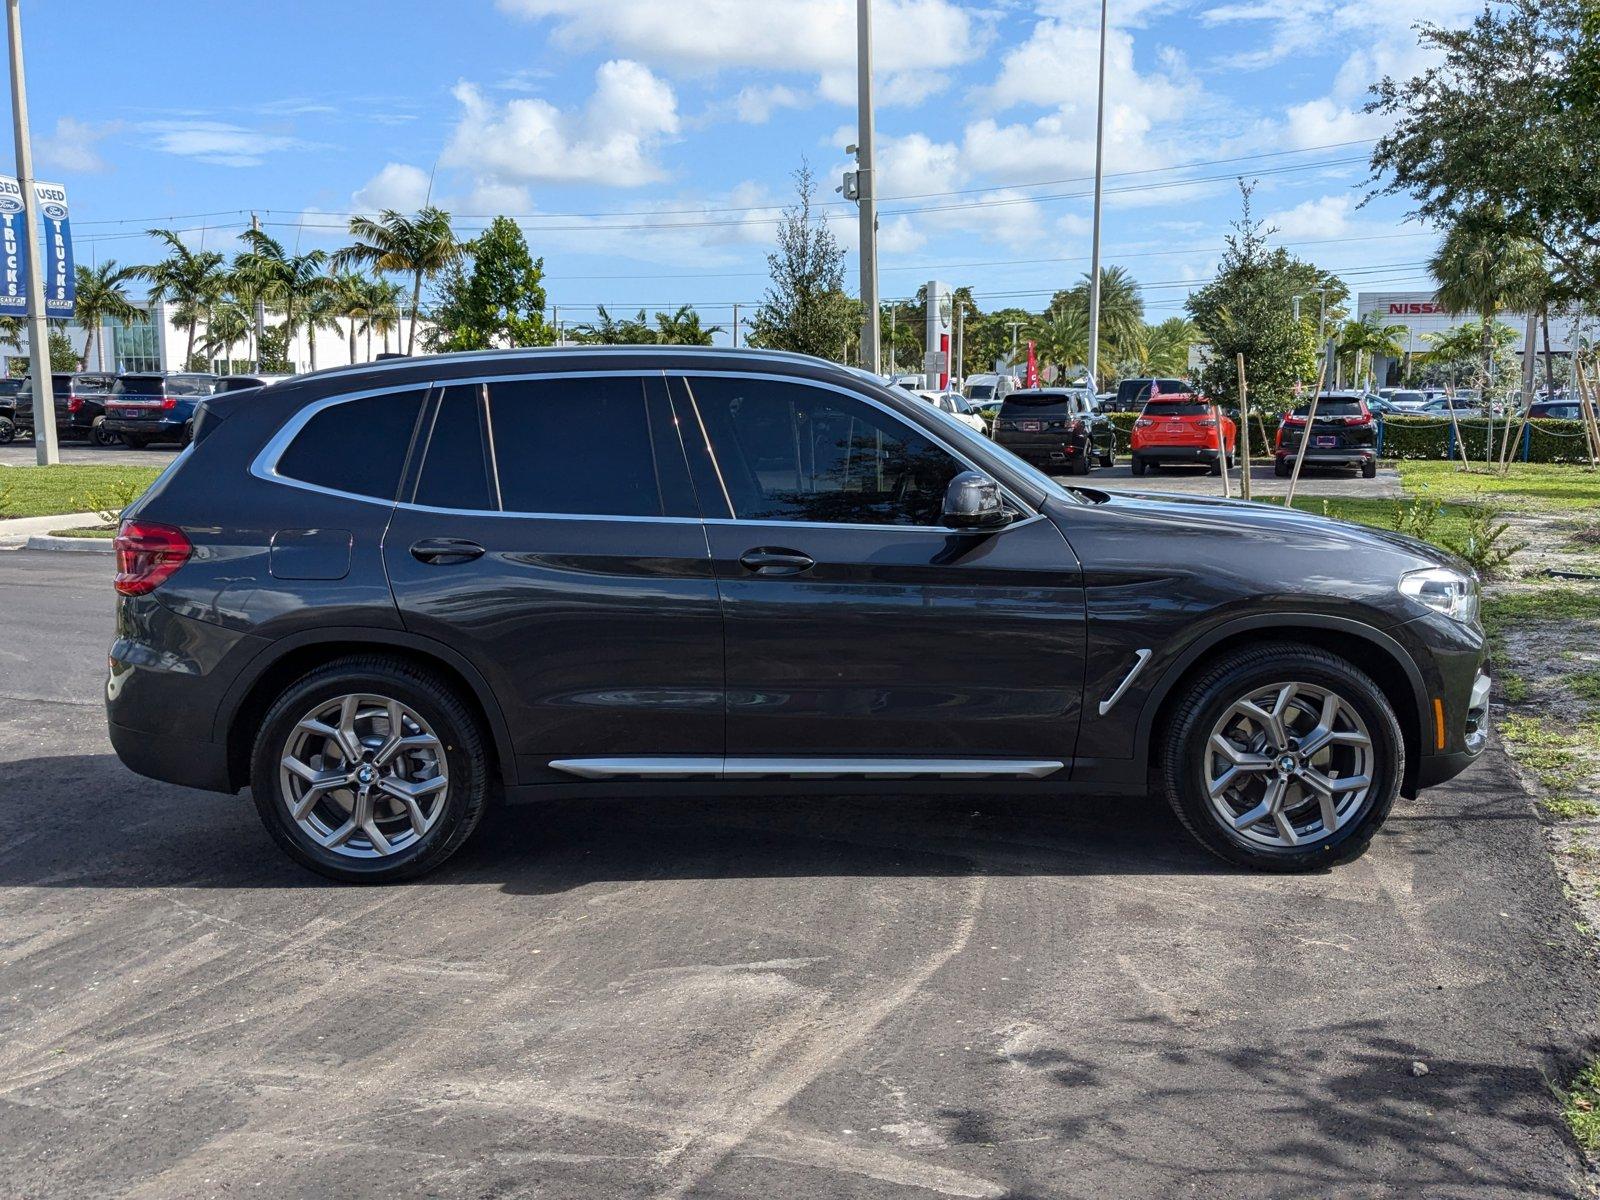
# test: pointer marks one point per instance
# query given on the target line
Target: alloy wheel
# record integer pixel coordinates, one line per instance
(364, 776)
(1288, 765)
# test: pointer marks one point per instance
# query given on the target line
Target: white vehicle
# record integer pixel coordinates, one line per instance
(990, 387)
(912, 383)
(955, 405)
(1406, 400)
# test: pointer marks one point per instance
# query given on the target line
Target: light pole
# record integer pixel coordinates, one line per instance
(1099, 170)
(45, 450)
(867, 183)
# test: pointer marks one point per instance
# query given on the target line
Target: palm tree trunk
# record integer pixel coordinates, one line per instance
(352, 341)
(189, 352)
(369, 341)
(416, 300)
(311, 342)
(1549, 359)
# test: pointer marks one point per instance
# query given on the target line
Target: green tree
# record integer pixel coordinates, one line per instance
(1159, 349)
(1368, 339)
(1121, 313)
(230, 323)
(287, 282)
(500, 301)
(805, 308)
(1249, 308)
(382, 306)
(1482, 267)
(606, 330)
(682, 328)
(1454, 358)
(1508, 118)
(189, 280)
(1062, 338)
(420, 246)
(988, 339)
(323, 308)
(102, 296)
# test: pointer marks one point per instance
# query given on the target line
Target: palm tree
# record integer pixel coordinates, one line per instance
(682, 328)
(1063, 338)
(1482, 268)
(287, 282)
(190, 280)
(322, 309)
(382, 311)
(230, 323)
(422, 245)
(354, 293)
(1371, 337)
(608, 331)
(102, 298)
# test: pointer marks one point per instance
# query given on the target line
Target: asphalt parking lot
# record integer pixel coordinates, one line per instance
(21, 454)
(843, 998)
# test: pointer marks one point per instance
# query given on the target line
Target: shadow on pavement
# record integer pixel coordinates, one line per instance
(85, 821)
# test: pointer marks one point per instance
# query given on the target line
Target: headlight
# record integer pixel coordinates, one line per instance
(1443, 590)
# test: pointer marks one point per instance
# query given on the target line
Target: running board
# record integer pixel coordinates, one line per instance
(669, 767)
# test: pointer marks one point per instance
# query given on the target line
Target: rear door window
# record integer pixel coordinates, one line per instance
(600, 446)
(1037, 404)
(138, 385)
(1177, 408)
(455, 466)
(1329, 407)
(357, 446)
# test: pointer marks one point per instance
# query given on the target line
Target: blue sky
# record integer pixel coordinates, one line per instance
(602, 124)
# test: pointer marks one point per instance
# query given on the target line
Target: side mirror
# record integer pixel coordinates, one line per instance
(972, 501)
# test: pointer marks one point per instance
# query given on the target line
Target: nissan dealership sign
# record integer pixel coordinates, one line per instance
(1417, 308)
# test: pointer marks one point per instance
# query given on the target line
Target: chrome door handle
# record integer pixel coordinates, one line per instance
(768, 561)
(444, 552)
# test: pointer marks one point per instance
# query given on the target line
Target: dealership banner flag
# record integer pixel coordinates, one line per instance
(13, 250)
(60, 285)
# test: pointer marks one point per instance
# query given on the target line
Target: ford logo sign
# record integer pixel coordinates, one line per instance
(10, 204)
(56, 212)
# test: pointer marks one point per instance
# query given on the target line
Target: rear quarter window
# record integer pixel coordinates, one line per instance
(357, 446)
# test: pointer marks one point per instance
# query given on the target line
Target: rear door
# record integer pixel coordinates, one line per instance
(551, 536)
(862, 635)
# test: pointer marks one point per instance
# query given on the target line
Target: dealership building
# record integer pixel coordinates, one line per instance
(1421, 314)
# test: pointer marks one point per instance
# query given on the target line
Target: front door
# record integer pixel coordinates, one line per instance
(857, 626)
(552, 537)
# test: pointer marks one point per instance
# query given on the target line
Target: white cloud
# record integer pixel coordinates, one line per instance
(1321, 217)
(73, 146)
(612, 140)
(755, 105)
(914, 40)
(399, 186)
(218, 142)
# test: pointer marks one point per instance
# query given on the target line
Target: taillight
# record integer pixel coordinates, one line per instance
(1364, 419)
(1291, 420)
(1143, 423)
(147, 555)
(1208, 423)
(74, 403)
(169, 402)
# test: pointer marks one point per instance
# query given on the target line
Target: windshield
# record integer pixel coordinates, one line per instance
(1137, 391)
(980, 391)
(1407, 397)
(1187, 407)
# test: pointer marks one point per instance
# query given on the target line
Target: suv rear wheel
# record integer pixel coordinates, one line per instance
(1283, 758)
(369, 770)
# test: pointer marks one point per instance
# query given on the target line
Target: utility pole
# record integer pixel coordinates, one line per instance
(736, 326)
(261, 305)
(1014, 326)
(1099, 176)
(45, 450)
(893, 366)
(555, 321)
(957, 361)
(871, 357)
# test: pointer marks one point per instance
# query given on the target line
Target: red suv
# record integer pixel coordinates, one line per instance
(1181, 428)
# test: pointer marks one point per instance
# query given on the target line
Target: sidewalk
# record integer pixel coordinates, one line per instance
(15, 531)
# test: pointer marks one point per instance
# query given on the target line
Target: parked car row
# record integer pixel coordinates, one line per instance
(134, 409)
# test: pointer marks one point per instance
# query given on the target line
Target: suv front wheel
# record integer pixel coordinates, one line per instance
(1283, 758)
(369, 770)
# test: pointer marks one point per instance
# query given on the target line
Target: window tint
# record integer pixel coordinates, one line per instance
(1329, 406)
(1188, 407)
(1039, 404)
(789, 452)
(137, 385)
(358, 446)
(455, 473)
(578, 446)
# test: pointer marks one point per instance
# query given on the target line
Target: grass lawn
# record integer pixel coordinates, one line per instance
(1382, 514)
(42, 491)
(95, 532)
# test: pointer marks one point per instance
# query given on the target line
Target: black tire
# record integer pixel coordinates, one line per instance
(466, 756)
(1109, 458)
(8, 431)
(99, 436)
(187, 435)
(1238, 674)
(1154, 466)
(1369, 468)
(1138, 466)
(135, 441)
(1281, 468)
(1214, 467)
(1080, 463)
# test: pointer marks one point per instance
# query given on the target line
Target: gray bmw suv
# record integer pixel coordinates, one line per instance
(381, 597)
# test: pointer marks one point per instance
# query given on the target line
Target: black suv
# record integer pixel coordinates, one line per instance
(381, 595)
(1344, 434)
(1056, 427)
(80, 404)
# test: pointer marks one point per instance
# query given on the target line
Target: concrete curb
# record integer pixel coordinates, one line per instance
(72, 545)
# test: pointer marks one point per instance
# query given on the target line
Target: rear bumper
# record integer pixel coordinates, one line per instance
(1176, 454)
(179, 760)
(157, 428)
(1042, 450)
(1325, 457)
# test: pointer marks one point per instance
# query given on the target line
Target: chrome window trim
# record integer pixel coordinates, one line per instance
(264, 465)
(929, 435)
